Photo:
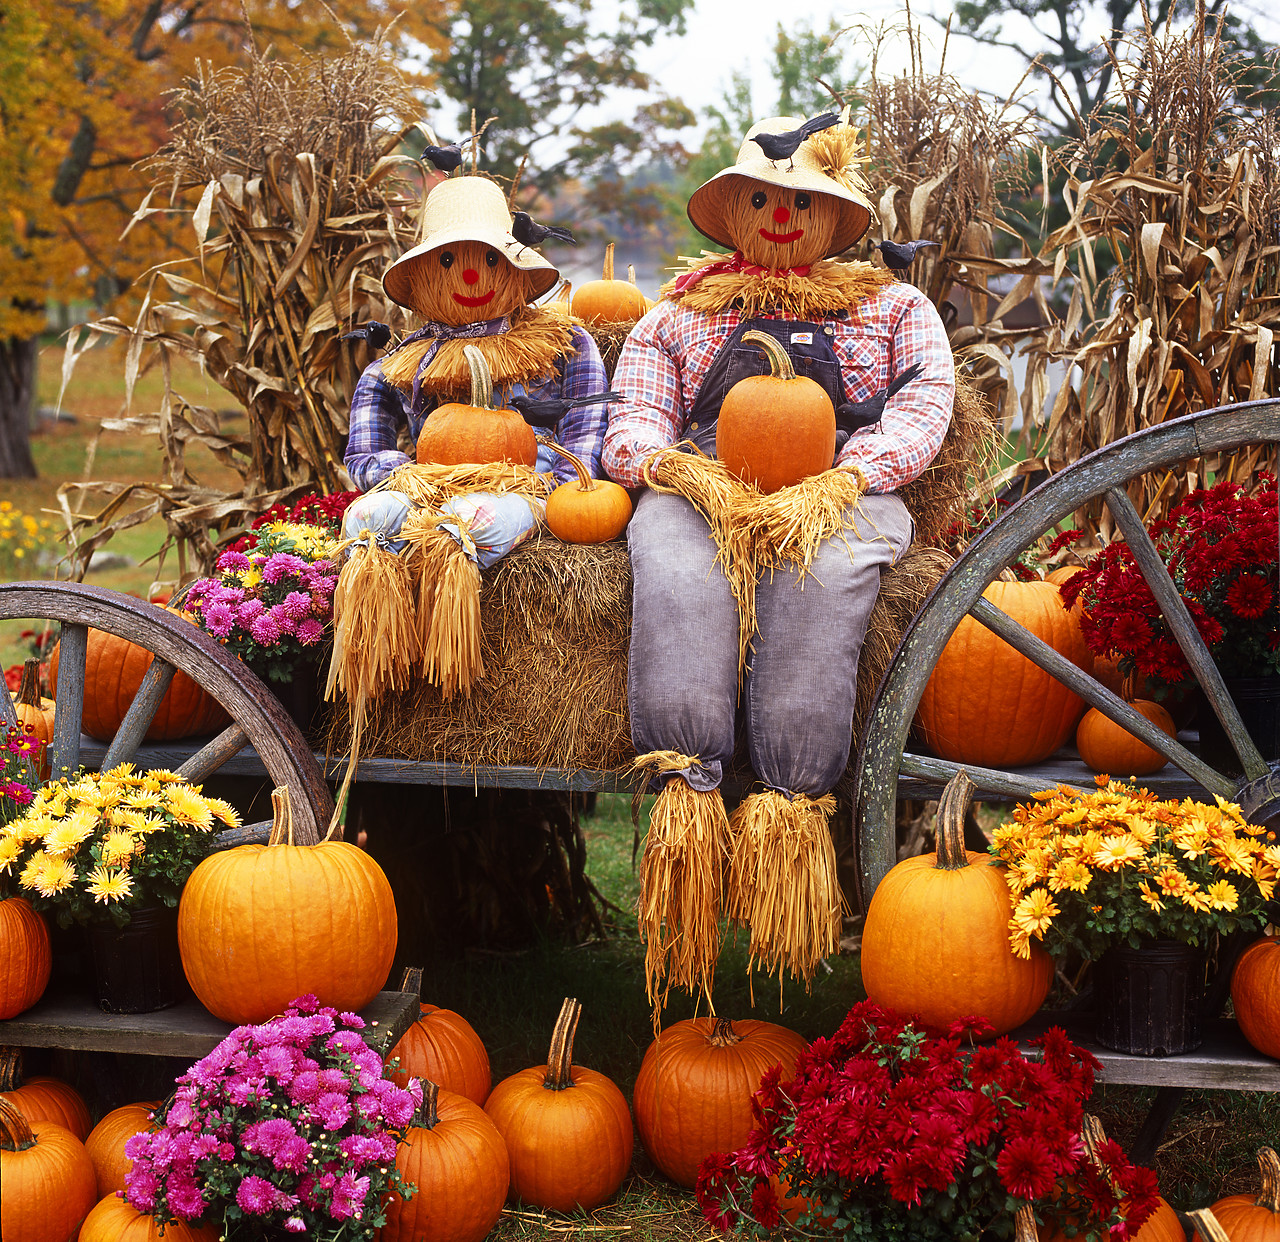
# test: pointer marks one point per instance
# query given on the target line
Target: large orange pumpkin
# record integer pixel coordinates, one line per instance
(114, 1220)
(609, 302)
(113, 671)
(457, 1159)
(693, 1092)
(106, 1141)
(987, 704)
(1254, 1218)
(1255, 994)
(587, 510)
(1108, 747)
(441, 1047)
(260, 925)
(775, 429)
(456, 434)
(35, 714)
(25, 956)
(42, 1098)
(46, 1179)
(567, 1128)
(935, 942)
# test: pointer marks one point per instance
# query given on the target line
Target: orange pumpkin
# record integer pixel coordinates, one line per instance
(455, 1156)
(1254, 1218)
(106, 1141)
(693, 1092)
(114, 1220)
(587, 510)
(441, 1047)
(42, 1098)
(1162, 1225)
(1108, 747)
(1255, 995)
(775, 429)
(25, 956)
(113, 671)
(608, 301)
(456, 434)
(254, 925)
(987, 704)
(46, 1179)
(567, 1128)
(35, 714)
(936, 937)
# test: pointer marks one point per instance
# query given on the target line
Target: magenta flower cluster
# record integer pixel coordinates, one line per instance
(287, 1125)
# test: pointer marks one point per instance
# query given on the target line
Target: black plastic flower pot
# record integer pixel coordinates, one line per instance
(1149, 1000)
(1257, 699)
(137, 969)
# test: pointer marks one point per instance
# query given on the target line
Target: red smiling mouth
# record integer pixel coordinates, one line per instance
(480, 301)
(782, 238)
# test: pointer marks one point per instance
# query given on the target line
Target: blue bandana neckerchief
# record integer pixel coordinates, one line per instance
(449, 332)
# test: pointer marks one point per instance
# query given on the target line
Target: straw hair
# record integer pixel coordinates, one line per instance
(782, 881)
(829, 288)
(681, 882)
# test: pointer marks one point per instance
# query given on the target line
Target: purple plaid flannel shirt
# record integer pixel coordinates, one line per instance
(670, 350)
(379, 410)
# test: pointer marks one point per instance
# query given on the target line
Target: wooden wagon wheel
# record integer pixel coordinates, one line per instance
(256, 714)
(882, 758)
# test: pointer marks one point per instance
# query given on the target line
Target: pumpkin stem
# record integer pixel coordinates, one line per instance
(1269, 1168)
(15, 1130)
(1024, 1224)
(560, 1058)
(779, 359)
(950, 824)
(481, 379)
(11, 1077)
(585, 482)
(29, 686)
(723, 1035)
(412, 981)
(281, 817)
(631, 273)
(1207, 1226)
(427, 1116)
(608, 262)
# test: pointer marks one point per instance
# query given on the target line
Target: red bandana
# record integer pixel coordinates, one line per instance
(734, 263)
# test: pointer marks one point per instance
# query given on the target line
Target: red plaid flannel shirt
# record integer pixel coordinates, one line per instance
(670, 350)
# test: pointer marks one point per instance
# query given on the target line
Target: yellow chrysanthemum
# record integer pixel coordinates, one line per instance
(1035, 912)
(188, 807)
(118, 847)
(151, 783)
(1171, 881)
(65, 837)
(1232, 854)
(1152, 899)
(166, 777)
(1117, 851)
(1194, 898)
(10, 850)
(1070, 874)
(144, 799)
(55, 875)
(1222, 896)
(32, 827)
(106, 885)
(150, 824)
(126, 818)
(1019, 942)
(224, 811)
(1192, 840)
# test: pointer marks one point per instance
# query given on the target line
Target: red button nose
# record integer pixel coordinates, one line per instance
(781, 215)
(471, 275)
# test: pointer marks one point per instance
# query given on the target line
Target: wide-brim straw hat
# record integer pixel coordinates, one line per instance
(462, 209)
(804, 171)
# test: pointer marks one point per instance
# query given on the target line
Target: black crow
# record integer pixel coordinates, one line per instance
(548, 411)
(375, 334)
(852, 415)
(900, 255)
(527, 233)
(445, 158)
(784, 146)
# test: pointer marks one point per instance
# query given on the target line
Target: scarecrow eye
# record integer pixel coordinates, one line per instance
(802, 201)
(491, 258)
(758, 199)
(446, 258)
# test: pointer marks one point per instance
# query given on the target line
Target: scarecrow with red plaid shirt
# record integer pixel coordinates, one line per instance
(750, 610)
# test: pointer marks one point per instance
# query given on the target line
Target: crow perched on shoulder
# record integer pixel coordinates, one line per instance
(899, 256)
(527, 233)
(784, 146)
(374, 334)
(445, 158)
(852, 415)
(548, 411)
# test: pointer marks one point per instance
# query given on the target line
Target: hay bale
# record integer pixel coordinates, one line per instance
(609, 339)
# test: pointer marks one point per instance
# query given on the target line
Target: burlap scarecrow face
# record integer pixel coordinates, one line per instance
(777, 226)
(467, 281)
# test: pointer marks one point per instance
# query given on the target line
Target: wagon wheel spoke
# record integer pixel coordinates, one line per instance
(8, 715)
(137, 720)
(1184, 630)
(1056, 665)
(988, 780)
(64, 751)
(213, 754)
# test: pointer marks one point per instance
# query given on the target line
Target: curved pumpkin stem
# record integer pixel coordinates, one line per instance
(631, 273)
(426, 1116)
(560, 1058)
(15, 1130)
(1024, 1224)
(585, 481)
(607, 270)
(1269, 1168)
(412, 981)
(481, 379)
(281, 817)
(779, 360)
(723, 1035)
(29, 686)
(1207, 1226)
(950, 824)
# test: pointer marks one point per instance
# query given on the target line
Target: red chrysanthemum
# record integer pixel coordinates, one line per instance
(1250, 596)
(764, 1205)
(1026, 1169)
(1130, 633)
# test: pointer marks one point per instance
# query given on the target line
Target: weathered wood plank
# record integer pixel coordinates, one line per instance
(1013, 786)
(214, 754)
(246, 834)
(142, 711)
(64, 752)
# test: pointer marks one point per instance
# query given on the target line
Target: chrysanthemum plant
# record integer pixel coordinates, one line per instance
(271, 605)
(20, 755)
(1120, 866)
(891, 1132)
(287, 1127)
(1219, 544)
(95, 847)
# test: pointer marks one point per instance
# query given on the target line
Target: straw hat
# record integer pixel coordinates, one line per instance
(468, 209)
(804, 171)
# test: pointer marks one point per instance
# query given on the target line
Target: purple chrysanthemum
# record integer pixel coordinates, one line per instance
(265, 630)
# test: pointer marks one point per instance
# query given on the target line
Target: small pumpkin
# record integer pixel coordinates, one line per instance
(608, 302)
(106, 1141)
(693, 1093)
(936, 937)
(46, 1179)
(35, 714)
(441, 1046)
(1254, 1218)
(25, 956)
(1255, 994)
(42, 1098)
(456, 434)
(253, 925)
(567, 1128)
(457, 1159)
(114, 1220)
(775, 429)
(1108, 747)
(113, 672)
(586, 510)
(986, 703)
